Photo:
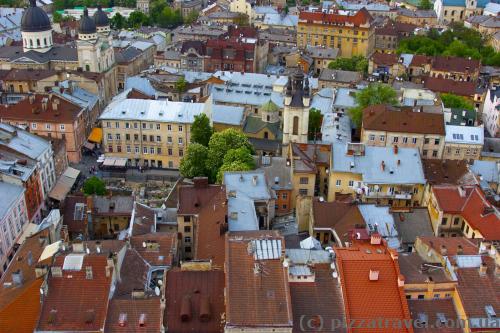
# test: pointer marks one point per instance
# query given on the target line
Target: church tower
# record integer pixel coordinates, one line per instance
(36, 30)
(94, 45)
(296, 111)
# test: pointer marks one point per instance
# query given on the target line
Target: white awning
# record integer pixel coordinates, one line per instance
(64, 184)
(115, 161)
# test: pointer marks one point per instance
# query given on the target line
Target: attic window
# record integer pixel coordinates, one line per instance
(373, 275)
(490, 312)
(89, 316)
(142, 320)
(422, 317)
(52, 317)
(441, 317)
(122, 320)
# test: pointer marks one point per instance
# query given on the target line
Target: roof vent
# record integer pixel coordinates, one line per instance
(373, 275)
(483, 269)
(52, 317)
(89, 316)
(88, 273)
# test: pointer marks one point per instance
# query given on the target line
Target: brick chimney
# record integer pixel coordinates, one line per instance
(443, 250)
(483, 269)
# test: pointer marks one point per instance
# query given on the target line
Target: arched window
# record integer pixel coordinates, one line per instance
(31, 42)
(38, 42)
(268, 118)
(295, 125)
(45, 41)
(266, 135)
(50, 40)
(87, 68)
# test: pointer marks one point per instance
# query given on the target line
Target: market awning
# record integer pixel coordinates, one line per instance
(64, 184)
(96, 135)
(115, 162)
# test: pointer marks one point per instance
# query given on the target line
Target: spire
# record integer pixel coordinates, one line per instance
(306, 87)
(33, 3)
(86, 12)
(289, 86)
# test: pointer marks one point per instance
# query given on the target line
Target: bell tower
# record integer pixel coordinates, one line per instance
(296, 109)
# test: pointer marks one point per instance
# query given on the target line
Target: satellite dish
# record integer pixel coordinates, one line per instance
(160, 282)
(98, 250)
(335, 275)
(157, 291)
(143, 244)
(332, 266)
(328, 248)
(285, 263)
(87, 250)
(41, 291)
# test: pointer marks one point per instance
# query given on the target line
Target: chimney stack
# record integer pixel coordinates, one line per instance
(396, 149)
(483, 269)
(460, 249)
(382, 166)
(88, 273)
(443, 250)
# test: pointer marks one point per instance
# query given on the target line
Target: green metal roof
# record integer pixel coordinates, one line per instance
(269, 106)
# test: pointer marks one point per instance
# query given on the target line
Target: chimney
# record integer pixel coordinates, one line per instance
(31, 98)
(396, 149)
(399, 162)
(483, 269)
(382, 166)
(56, 271)
(204, 308)
(443, 250)
(55, 103)
(186, 309)
(460, 249)
(40, 271)
(373, 275)
(401, 280)
(17, 277)
(78, 247)
(122, 320)
(376, 239)
(254, 180)
(88, 273)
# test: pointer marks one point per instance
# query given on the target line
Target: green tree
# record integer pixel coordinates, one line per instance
(425, 4)
(315, 119)
(181, 85)
(94, 185)
(220, 143)
(375, 93)
(456, 102)
(201, 131)
(191, 17)
(193, 164)
(118, 22)
(233, 166)
(241, 154)
(57, 17)
(356, 63)
(137, 19)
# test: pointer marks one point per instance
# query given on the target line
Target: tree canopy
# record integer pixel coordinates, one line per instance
(315, 119)
(220, 143)
(456, 102)
(193, 164)
(228, 150)
(425, 4)
(94, 185)
(181, 85)
(375, 93)
(355, 64)
(457, 41)
(201, 131)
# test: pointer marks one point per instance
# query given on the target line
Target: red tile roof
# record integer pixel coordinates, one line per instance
(339, 216)
(430, 308)
(143, 220)
(448, 86)
(210, 229)
(476, 292)
(148, 309)
(25, 298)
(194, 288)
(24, 111)
(73, 302)
(360, 18)
(259, 285)
(160, 250)
(469, 246)
(385, 118)
(385, 59)
(473, 207)
(455, 64)
(192, 198)
(371, 299)
(420, 60)
(309, 299)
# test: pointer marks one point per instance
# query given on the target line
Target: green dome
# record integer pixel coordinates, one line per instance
(269, 106)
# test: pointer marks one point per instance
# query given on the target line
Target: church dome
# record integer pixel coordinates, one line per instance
(87, 25)
(35, 19)
(100, 17)
(269, 106)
